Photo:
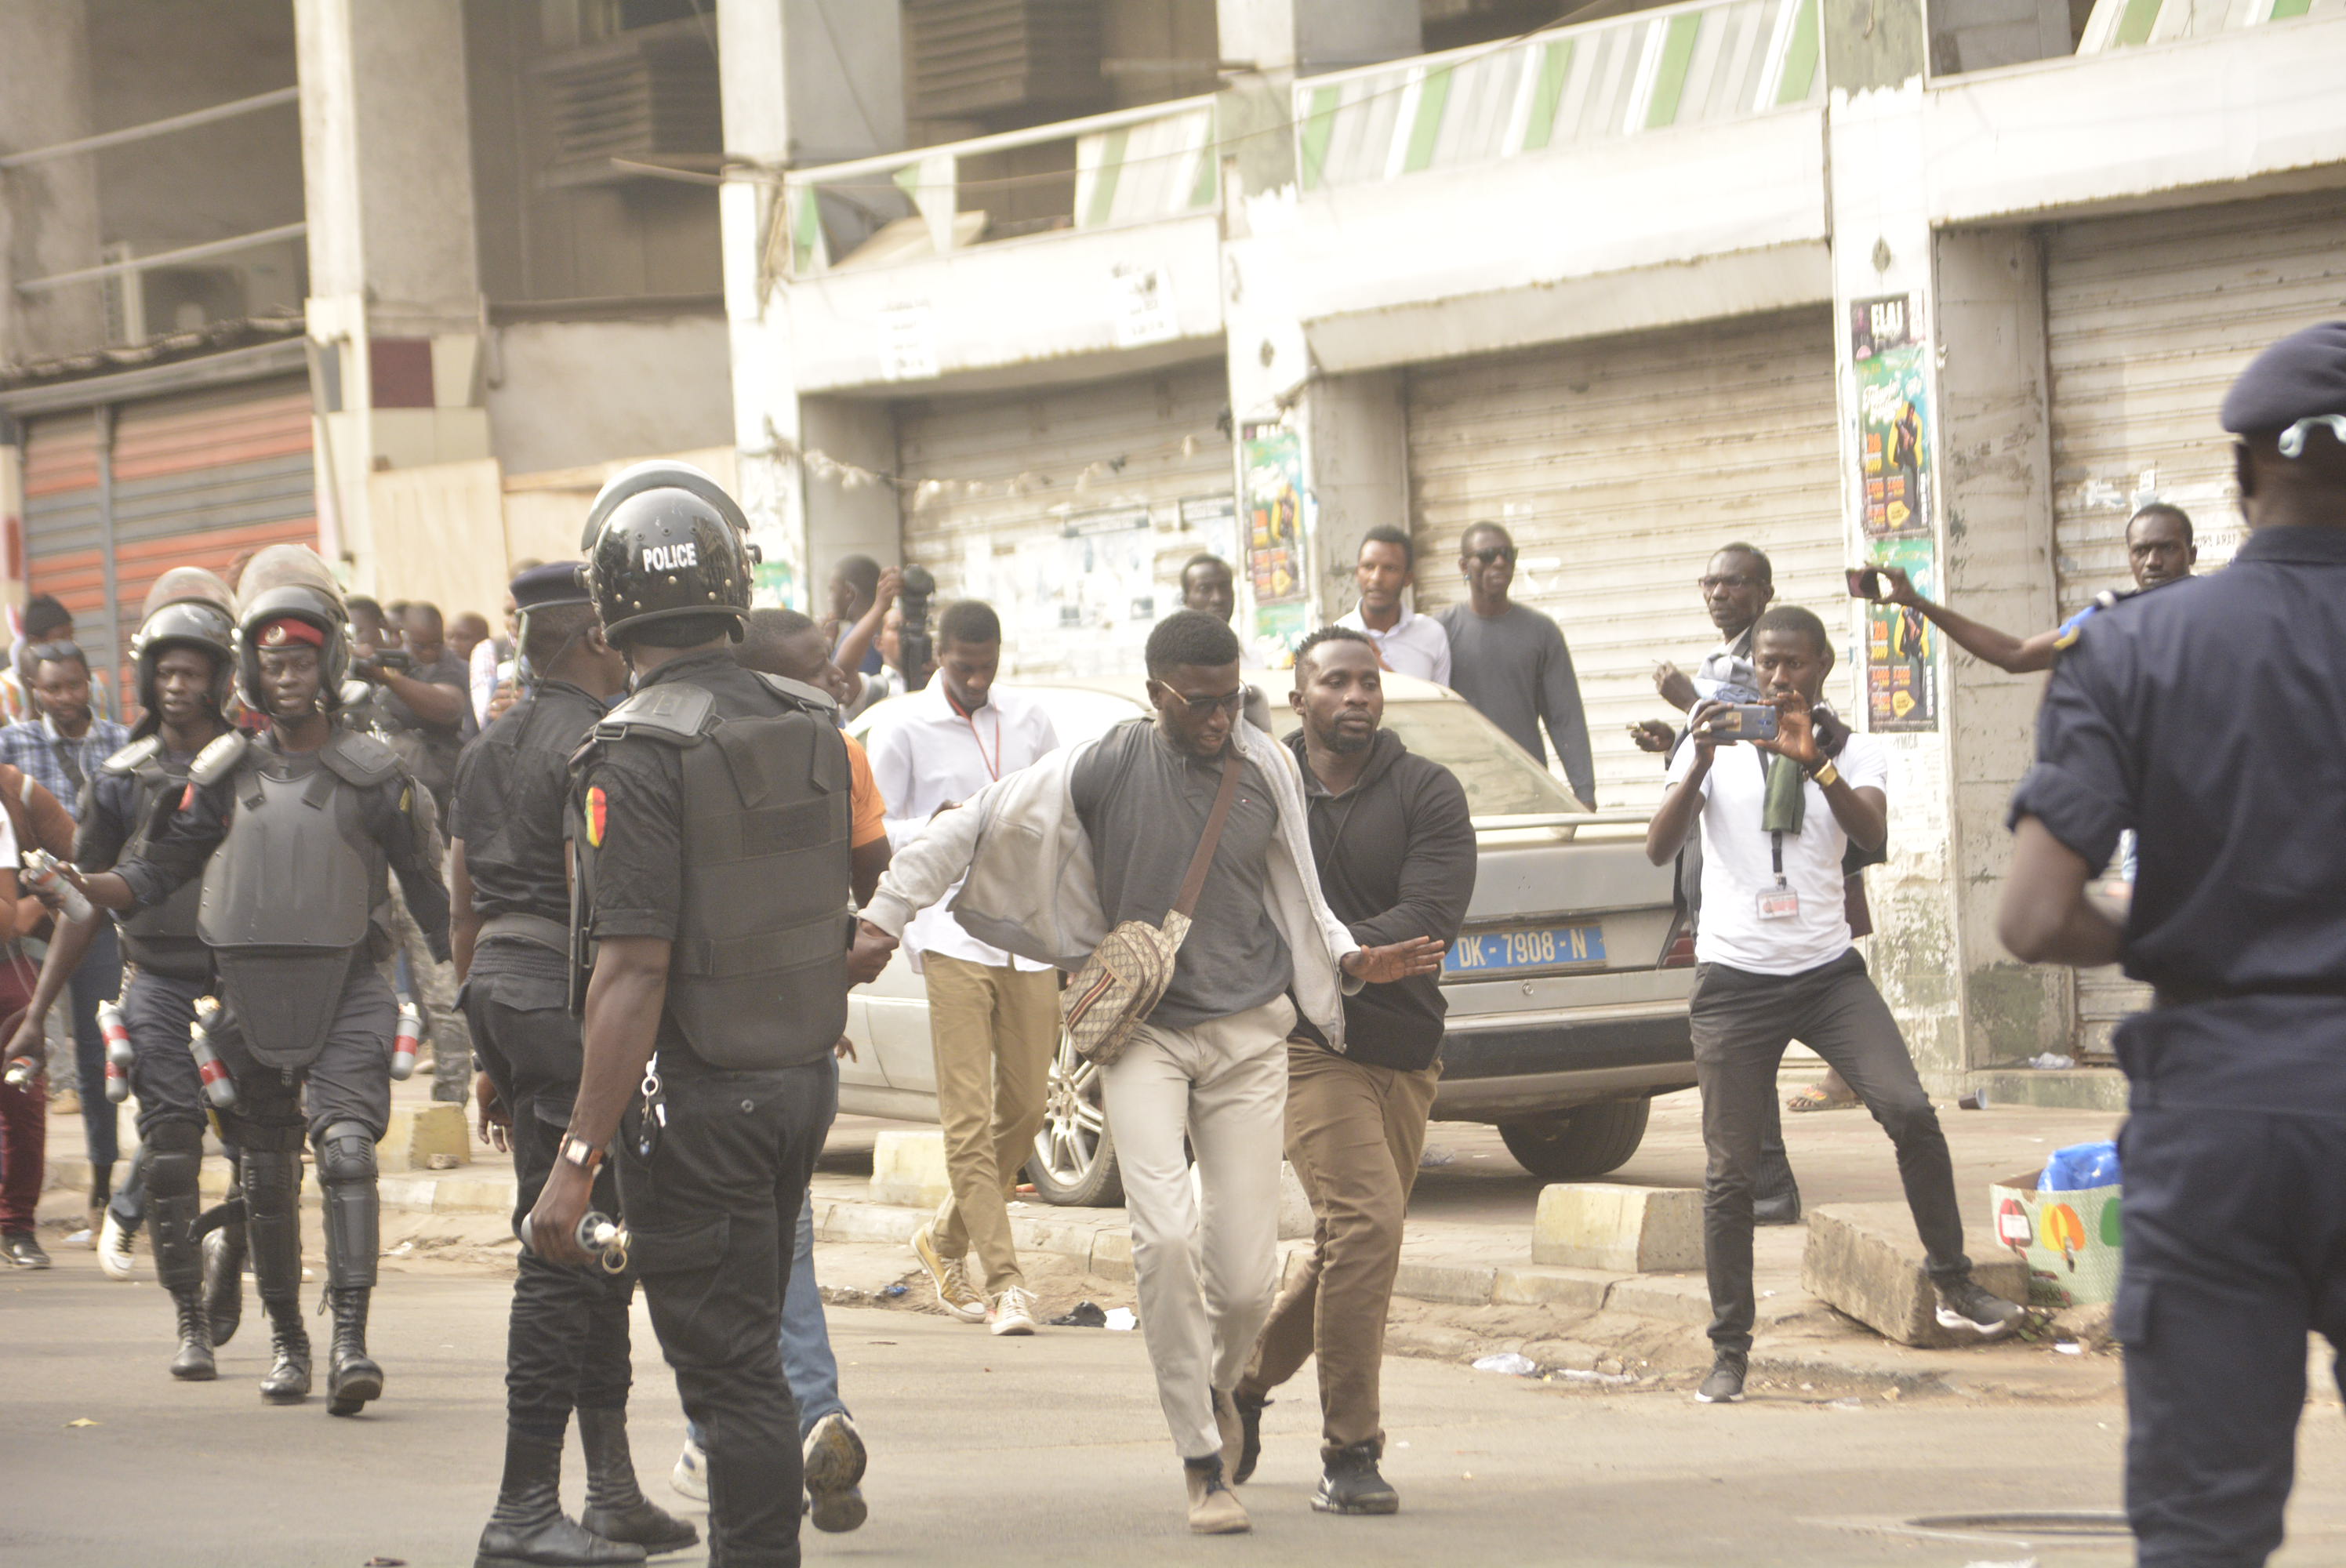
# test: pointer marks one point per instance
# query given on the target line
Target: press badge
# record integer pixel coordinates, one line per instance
(1779, 902)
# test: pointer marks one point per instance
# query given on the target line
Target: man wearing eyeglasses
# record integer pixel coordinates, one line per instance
(62, 749)
(1511, 661)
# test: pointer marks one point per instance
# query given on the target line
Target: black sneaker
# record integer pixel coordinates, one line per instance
(19, 1248)
(1967, 1309)
(1250, 1439)
(1725, 1384)
(1351, 1484)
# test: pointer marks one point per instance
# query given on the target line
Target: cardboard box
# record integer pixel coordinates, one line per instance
(2072, 1242)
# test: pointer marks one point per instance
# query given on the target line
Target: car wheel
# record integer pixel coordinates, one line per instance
(1074, 1164)
(1581, 1143)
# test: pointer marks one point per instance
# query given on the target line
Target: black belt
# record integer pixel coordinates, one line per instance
(536, 930)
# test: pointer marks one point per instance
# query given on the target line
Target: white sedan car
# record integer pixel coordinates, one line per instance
(1568, 989)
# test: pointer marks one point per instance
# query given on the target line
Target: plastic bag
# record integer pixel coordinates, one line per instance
(2079, 1167)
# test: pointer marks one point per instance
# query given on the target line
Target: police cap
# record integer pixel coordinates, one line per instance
(543, 587)
(2302, 377)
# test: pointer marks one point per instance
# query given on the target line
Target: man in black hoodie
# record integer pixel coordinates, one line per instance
(1395, 845)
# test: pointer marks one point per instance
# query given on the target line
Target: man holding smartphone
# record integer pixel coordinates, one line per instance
(1774, 963)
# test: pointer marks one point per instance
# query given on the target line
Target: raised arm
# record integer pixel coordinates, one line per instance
(2017, 655)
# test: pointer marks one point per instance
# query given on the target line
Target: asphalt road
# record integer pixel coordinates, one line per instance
(1047, 1450)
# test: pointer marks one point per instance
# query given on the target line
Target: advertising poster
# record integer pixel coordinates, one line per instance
(1901, 681)
(1109, 569)
(1273, 456)
(1893, 418)
(1279, 631)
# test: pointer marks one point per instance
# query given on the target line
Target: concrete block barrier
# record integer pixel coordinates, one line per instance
(1622, 1229)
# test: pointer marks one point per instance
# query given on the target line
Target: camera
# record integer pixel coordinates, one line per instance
(916, 649)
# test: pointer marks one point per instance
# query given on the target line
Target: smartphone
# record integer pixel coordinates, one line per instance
(1865, 583)
(1744, 721)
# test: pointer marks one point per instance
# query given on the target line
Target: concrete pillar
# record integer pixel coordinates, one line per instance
(394, 302)
(804, 84)
(48, 210)
(1996, 436)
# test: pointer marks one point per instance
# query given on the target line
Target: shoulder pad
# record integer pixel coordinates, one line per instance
(813, 698)
(359, 758)
(676, 712)
(218, 760)
(128, 759)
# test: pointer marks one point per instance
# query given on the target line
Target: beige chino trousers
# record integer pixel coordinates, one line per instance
(994, 1030)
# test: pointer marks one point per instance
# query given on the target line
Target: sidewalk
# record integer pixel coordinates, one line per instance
(1466, 1277)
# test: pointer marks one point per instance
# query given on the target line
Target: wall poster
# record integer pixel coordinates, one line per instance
(1273, 459)
(1902, 648)
(1893, 418)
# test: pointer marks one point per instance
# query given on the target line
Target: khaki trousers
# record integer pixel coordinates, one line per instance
(1206, 1280)
(994, 1030)
(1354, 1134)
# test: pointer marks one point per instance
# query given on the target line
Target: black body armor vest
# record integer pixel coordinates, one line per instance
(162, 940)
(757, 976)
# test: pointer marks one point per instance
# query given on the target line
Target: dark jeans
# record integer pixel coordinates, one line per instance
(2235, 1248)
(1741, 1023)
(566, 1341)
(99, 979)
(713, 1213)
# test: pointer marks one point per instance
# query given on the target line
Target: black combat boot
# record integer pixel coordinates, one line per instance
(193, 1364)
(528, 1528)
(224, 1280)
(1351, 1484)
(288, 1383)
(617, 1508)
(353, 1378)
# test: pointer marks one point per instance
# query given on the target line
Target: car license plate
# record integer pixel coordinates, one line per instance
(1534, 947)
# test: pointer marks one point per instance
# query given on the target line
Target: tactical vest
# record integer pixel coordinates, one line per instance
(161, 939)
(758, 974)
(294, 892)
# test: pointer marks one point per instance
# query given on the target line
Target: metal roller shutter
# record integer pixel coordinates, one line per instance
(198, 478)
(1620, 465)
(2148, 319)
(1070, 510)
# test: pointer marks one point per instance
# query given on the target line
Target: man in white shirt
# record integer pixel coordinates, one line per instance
(1407, 643)
(1774, 963)
(993, 1020)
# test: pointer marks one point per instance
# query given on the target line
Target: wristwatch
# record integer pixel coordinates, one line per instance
(1825, 774)
(580, 1153)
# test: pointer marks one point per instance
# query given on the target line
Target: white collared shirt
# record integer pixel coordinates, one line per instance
(1416, 646)
(927, 754)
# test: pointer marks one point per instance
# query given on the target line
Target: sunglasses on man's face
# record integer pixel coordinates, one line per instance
(1491, 555)
(1200, 707)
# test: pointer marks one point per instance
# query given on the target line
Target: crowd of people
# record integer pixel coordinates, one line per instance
(666, 865)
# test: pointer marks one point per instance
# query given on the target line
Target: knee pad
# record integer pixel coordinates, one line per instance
(345, 1153)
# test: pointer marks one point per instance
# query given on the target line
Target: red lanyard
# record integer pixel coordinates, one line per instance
(993, 766)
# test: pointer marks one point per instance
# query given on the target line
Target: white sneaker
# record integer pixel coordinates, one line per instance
(690, 1476)
(1014, 1311)
(953, 1292)
(114, 1243)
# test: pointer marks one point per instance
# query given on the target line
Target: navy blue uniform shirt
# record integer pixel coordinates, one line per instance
(2209, 716)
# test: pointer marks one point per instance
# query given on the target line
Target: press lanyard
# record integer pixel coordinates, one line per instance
(992, 766)
(1779, 902)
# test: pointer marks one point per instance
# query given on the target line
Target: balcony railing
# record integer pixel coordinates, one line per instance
(2123, 24)
(1131, 165)
(1681, 64)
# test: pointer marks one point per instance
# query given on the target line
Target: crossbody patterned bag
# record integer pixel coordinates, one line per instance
(1128, 972)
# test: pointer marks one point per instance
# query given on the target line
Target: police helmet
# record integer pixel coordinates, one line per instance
(664, 540)
(186, 607)
(288, 581)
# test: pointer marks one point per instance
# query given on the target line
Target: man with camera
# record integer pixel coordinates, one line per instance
(1774, 963)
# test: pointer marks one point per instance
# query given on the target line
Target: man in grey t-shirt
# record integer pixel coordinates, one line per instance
(1510, 661)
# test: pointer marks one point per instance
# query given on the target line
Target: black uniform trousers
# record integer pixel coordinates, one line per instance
(349, 1080)
(1741, 1023)
(566, 1338)
(157, 1010)
(714, 1211)
(2235, 1251)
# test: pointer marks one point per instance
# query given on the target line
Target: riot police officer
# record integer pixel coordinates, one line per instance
(709, 827)
(295, 834)
(184, 651)
(2210, 718)
(567, 1345)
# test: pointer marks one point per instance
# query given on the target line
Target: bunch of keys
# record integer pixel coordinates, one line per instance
(654, 1119)
(599, 1236)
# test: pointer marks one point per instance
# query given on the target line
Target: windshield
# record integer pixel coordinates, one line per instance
(1500, 779)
